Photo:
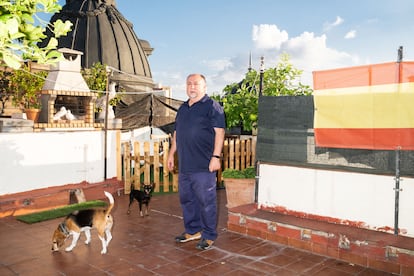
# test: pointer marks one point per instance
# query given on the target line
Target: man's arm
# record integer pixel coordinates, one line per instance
(173, 148)
(215, 163)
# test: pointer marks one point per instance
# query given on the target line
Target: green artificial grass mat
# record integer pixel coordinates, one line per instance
(59, 212)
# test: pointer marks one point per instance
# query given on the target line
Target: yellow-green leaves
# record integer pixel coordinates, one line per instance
(19, 33)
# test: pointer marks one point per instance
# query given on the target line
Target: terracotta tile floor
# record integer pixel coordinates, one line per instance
(145, 246)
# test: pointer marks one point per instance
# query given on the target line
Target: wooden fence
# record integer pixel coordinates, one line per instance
(146, 162)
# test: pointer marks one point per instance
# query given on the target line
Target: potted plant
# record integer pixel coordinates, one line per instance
(240, 186)
(26, 87)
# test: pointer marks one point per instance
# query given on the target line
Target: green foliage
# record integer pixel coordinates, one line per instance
(26, 86)
(96, 78)
(249, 172)
(5, 92)
(283, 80)
(240, 100)
(21, 29)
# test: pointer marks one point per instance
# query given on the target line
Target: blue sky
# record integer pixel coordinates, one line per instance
(215, 37)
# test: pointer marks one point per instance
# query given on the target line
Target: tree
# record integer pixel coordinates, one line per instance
(240, 100)
(21, 29)
(96, 78)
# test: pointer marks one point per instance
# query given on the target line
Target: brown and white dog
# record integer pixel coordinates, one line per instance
(83, 221)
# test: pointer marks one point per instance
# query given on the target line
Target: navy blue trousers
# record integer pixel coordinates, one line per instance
(198, 198)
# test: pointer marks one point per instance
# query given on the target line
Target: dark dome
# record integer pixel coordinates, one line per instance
(103, 35)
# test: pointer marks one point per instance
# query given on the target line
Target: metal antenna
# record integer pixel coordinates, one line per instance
(250, 62)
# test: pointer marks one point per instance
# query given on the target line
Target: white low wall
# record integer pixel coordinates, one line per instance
(30, 161)
(346, 196)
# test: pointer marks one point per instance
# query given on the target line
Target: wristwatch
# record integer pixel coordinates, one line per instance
(216, 156)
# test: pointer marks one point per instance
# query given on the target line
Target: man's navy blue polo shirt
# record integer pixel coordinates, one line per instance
(194, 126)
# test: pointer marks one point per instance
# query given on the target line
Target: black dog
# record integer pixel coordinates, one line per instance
(142, 196)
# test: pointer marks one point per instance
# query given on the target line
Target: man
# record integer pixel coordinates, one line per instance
(198, 140)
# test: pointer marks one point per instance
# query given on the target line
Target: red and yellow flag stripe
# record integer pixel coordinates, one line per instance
(366, 107)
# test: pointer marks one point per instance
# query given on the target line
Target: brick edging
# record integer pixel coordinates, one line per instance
(372, 253)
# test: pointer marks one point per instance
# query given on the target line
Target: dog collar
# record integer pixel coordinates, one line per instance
(63, 229)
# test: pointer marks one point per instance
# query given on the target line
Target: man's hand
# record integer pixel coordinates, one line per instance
(170, 162)
(215, 164)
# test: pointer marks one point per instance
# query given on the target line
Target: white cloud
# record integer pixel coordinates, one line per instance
(311, 53)
(267, 36)
(329, 25)
(351, 34)
(174, 80)
(218, 64)
(216, 82)
(338, 21)
(307, 52)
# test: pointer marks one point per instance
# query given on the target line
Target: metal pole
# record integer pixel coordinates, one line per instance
(400, 54)
(108, 71)
(397, 189)
(399, 61)
(261, 76)
(397, 157)
(256, 184)
(256, 190)
(151, 112)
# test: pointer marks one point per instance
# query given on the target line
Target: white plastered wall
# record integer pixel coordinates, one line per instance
(346, 196)
(30, 161)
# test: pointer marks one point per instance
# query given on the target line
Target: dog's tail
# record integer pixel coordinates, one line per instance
(111, 202)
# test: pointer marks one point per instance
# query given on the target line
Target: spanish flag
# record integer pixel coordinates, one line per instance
(365, 107)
